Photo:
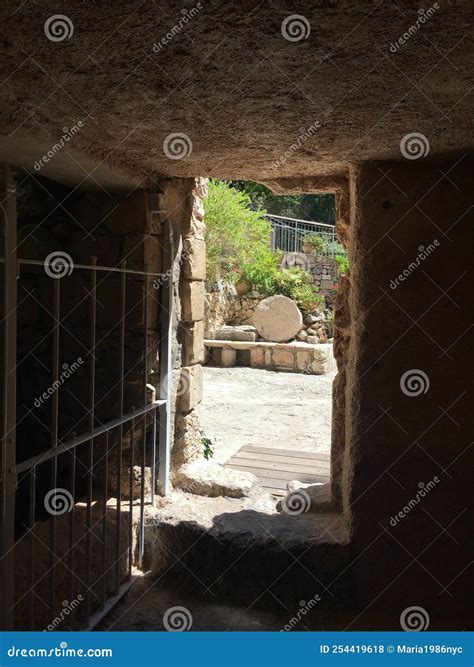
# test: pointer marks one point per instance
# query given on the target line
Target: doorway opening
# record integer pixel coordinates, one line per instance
(274, 266)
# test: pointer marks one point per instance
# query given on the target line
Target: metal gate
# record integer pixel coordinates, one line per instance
(67, 544)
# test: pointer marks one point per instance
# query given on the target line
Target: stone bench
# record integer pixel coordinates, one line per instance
(296, 357)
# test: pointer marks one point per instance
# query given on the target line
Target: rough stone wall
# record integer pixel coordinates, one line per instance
(224, 307)
(183, 203)
(409, 386)
(324, 271)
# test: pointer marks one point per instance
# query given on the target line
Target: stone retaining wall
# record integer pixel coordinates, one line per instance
(324, 271)
(294, 357)
(224, 307)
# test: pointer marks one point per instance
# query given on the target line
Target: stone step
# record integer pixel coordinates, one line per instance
(243, 332)
(244, 552)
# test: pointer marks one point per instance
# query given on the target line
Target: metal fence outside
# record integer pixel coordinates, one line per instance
(288, 234)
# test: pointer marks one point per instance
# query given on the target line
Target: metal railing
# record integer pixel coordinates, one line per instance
(288, 234)
(46, 558)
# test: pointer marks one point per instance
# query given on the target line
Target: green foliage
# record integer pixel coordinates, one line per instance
(308, 298)
(238, 240)
(343, 263)
(235, 234)
(320, 208)
(268, 279)
(316, 241)
(335, 248)
(208, 447)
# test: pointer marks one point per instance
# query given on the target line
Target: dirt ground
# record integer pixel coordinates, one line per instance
(249, 406)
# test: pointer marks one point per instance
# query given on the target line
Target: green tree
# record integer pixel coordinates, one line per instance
(235, 233)
(317, 207)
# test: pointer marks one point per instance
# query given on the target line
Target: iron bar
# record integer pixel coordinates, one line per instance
(90, 461)
(153, 461)
(54, 440)
(145, 399)
(141, 541)
(85, 437)
(31, 546)
(110, 269)
(123, 287)
(130, 524)
(166, 333)
(104, 521)
(8, 425)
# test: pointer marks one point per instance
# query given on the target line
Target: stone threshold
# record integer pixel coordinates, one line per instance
(239, 552)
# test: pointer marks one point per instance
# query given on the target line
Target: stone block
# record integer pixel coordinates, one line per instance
(225, 357)
(189, 392)
(206, 478)
(277, 318)
(257, 357)
(303, 359)
(283, 358)
(192, 300)
(194, 259)
(193, 342)
(241, 332)
(188, 440)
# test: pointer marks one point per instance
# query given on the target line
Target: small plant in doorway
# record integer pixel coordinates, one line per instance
(208, 447)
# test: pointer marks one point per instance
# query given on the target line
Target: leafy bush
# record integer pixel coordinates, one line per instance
(335, 248)
(238, 240)
(235, 234)
(316, 241)
(343, 263)
(265, 276)
(308, 298)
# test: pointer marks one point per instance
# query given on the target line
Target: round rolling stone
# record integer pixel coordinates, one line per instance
(277, 319)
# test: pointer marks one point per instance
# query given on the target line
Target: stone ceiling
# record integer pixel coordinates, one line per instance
(252, 89)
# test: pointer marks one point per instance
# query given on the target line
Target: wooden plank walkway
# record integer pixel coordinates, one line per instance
(276, 467)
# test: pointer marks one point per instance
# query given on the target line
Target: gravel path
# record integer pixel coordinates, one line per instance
(249, 406)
